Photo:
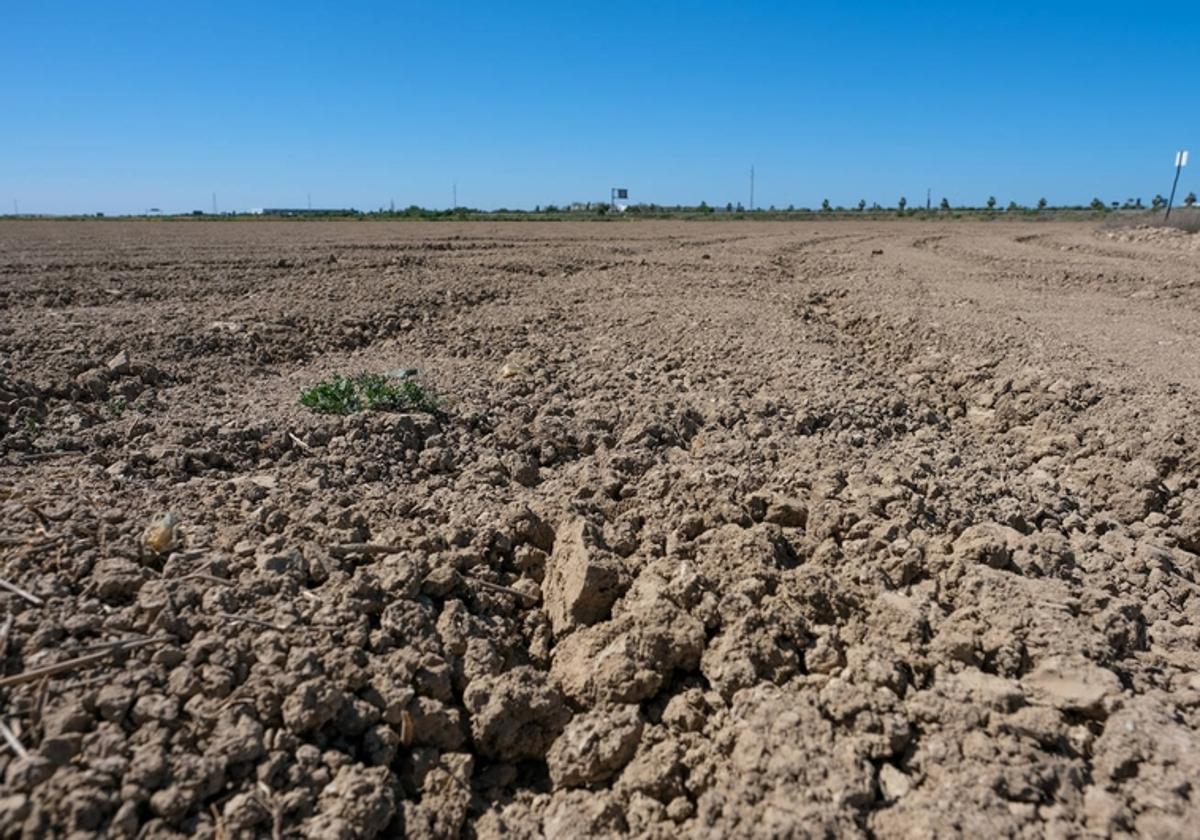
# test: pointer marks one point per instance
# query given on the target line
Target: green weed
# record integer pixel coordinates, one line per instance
(369, 392)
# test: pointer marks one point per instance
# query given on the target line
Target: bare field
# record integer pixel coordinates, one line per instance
(725, 529)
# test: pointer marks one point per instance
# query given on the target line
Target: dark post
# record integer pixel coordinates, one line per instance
(1180, 162)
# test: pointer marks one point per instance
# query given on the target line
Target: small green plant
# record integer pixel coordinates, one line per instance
(116, 407)
(32, 425)
(369, 392)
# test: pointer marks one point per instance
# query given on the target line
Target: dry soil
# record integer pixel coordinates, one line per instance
(724, 529)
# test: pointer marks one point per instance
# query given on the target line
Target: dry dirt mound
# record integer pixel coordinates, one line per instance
(1163, 237)
(722, 531)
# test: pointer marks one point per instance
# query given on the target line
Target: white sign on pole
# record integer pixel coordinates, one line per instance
(1181, 158)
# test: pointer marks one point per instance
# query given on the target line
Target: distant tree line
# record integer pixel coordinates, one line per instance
(594, 209)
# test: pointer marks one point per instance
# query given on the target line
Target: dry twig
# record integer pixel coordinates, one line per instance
(13, 741)
(207, 579)
(68, 665)
(16, 590)
(124, 642)
(4, 631)
(300, 443)
(251, 620)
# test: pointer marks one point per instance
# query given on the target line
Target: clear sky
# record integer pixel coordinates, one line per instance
(121, 106)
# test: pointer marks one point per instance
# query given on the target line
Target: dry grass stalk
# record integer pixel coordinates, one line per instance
(16, 590)
(258, 622)
(73, 664)
(300, 443)
(12, 740)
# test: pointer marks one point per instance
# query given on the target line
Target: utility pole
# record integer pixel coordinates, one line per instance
(214, 197)
(454, 193)
(310, 201)
(929, 198)
(1180, 162)
(392, 206)
(751, 188)
(16, 208)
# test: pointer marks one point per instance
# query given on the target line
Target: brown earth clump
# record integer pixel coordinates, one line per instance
(847, 529)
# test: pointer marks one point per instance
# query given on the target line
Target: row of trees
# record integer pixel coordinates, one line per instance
(901, 207)
(1157, 203)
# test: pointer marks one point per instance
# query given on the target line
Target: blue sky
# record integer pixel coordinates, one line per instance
(121, 106)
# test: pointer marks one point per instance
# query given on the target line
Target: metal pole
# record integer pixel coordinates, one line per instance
(1171, 200)
(751, 188)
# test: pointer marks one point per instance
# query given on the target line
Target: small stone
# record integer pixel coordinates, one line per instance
(163, 534)
(119, 364)
(893, 783)
(510, 370)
